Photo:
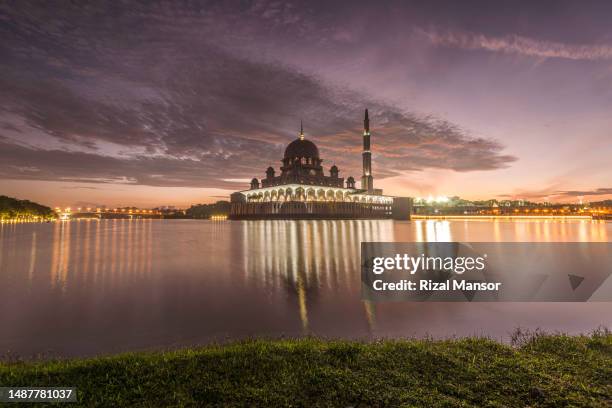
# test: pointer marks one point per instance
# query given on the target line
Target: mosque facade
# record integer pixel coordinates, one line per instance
(302, 190)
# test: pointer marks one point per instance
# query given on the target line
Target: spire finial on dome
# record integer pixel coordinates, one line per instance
(301, 130)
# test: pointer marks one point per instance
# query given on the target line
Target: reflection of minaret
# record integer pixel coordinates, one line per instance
(370, 310)
(301, 292)
(367, 182)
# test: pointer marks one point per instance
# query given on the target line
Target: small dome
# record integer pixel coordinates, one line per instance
(350, 179)
(334, 169)
(270, 170)
(254, 181)
(302, 148)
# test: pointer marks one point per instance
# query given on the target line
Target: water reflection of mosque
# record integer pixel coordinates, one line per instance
(305, 256)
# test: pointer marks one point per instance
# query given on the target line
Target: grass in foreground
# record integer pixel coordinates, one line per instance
(544, 370)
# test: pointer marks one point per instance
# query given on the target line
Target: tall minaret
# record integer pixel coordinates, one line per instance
(301, 130)
(367, 182)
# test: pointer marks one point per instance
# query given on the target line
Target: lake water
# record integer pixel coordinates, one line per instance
(97, 287)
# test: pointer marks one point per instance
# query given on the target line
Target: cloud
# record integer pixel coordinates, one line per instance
(596, 192)
(407, 142)
(59, 165)
(515, 44)
(154, 97)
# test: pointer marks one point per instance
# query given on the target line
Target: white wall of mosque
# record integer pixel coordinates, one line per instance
(298, 192)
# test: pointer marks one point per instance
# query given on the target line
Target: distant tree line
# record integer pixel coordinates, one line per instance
(12, 208)
(207, 210)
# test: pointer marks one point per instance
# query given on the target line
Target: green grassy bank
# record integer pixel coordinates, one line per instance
(544, 370)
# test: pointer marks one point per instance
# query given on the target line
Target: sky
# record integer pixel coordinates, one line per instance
(177, 103)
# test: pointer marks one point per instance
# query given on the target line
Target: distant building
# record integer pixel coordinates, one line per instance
(303, 190)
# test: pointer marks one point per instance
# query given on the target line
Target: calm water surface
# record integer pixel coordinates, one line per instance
(97, 287)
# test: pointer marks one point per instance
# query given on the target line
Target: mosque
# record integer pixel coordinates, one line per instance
(302, 190)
